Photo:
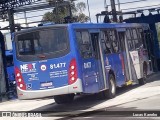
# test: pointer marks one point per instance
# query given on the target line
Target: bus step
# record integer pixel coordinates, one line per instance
(130, 82)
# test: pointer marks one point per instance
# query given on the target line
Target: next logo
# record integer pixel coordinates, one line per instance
(28, 67)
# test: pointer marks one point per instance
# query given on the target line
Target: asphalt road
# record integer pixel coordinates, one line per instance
(131, 103)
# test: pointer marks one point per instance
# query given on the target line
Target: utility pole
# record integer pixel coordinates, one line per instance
(89, 11)
(11, 20)
(113, 7)
(105, 5)
(25, 17)
(119, 5)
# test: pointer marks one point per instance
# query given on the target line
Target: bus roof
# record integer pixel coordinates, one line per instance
(88, 25)
(107, 25)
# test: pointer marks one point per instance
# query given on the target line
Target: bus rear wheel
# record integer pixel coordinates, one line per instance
(62, 99)
(143, 80)
(111, 92)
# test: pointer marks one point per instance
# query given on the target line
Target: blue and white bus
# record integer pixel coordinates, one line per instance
(62, 60)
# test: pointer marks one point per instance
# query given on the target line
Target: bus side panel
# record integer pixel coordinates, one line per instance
(114, 63)
(90, 76)
(87, 69)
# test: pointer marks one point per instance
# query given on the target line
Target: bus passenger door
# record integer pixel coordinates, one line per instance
(92, 61)
(89, 63)
(126, 65)
(98, 55)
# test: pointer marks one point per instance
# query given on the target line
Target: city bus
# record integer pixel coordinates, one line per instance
(69, 59)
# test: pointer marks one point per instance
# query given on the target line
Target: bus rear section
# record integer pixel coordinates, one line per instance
(45, 65)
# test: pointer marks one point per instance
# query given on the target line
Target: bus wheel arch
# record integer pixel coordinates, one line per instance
(110, 92)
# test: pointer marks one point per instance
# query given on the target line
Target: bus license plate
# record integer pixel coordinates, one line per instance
(48, 84)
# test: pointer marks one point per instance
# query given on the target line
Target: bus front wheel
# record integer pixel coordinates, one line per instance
(62, 99)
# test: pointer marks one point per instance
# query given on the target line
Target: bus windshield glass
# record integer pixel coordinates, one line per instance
(48, 41)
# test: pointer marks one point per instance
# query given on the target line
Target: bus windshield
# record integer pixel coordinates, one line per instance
(48, 41)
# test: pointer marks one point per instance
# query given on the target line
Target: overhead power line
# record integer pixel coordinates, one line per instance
(134, 1)
(142, 7)
(131, 2)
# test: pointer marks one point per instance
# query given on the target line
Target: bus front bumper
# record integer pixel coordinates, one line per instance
(33, 94)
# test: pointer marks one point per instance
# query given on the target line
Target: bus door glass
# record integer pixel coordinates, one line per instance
(116, 56)
(149, 46)
(121, 35)
(88, 62)
(112, 55)
(134, 57)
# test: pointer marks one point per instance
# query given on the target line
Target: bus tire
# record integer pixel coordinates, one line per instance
(111, 92)
(143, 80)
(62, 99)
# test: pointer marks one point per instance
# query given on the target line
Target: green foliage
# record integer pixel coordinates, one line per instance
(81, 6)
(82, 18)
(60, 12)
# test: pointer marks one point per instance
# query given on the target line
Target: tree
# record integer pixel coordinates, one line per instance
(82, 18)
(60, 12)
(81, 6)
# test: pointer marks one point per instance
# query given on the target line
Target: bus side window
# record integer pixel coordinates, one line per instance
(114, 41)
(136, 42)
(129, 39)
(121, 39)
(106, 43)
(84, 44)
(141, 37)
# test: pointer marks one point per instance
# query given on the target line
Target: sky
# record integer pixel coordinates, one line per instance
(96, 6)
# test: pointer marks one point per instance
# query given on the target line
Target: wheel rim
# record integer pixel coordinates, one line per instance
(112, 87)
